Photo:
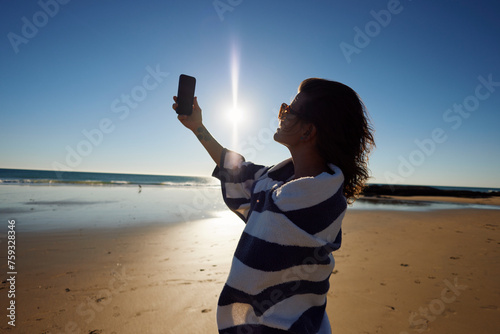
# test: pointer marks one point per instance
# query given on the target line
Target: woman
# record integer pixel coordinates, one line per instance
(293, 211)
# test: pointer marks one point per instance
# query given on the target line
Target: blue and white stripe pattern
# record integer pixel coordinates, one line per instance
(280, 272)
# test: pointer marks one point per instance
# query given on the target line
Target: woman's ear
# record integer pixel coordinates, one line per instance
(309, 132)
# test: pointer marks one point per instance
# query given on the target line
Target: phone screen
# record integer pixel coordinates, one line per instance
(185, 94)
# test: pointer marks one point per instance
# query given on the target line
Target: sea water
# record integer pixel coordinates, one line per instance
(21, 176)
(45, 200)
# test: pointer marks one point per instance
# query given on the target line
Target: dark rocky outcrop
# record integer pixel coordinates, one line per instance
(375, 190)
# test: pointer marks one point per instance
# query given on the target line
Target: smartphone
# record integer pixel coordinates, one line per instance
(185, 94)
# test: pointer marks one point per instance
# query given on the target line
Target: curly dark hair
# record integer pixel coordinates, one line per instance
(345, 133)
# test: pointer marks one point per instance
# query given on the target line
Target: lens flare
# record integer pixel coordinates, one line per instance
(235, 113)
(235, 73)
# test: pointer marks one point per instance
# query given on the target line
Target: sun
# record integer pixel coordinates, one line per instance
(235, 115)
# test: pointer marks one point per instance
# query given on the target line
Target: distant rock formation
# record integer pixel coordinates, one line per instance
(375, 190)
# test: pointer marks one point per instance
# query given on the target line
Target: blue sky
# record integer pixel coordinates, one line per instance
(88, 85)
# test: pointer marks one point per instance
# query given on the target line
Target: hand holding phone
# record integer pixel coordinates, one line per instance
(185, 94)
(193, 121)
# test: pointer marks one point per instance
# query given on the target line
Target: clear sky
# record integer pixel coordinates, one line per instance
(88, 85)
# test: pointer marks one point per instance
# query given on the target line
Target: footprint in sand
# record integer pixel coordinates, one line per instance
(98, 300)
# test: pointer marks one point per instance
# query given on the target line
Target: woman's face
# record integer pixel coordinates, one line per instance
(289, 131)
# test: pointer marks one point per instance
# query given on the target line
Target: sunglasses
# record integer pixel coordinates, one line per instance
(285, 109)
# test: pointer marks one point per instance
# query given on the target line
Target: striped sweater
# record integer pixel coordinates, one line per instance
(279, 276)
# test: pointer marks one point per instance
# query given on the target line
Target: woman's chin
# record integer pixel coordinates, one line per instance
(278, 137)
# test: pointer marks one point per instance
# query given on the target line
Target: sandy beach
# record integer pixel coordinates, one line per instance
(401, 272)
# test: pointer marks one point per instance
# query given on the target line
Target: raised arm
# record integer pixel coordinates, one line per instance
(194, 123)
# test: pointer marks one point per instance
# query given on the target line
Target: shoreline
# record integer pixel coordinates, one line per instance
(69, 207)
(58, 207)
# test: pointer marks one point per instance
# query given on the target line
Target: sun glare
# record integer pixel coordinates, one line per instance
(235, 115)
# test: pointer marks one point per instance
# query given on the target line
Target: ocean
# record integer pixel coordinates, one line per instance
(33, 177)
(26, 176)
(41, 200)
(48, 200)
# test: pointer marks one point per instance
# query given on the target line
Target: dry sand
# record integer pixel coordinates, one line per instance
(397, 272)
